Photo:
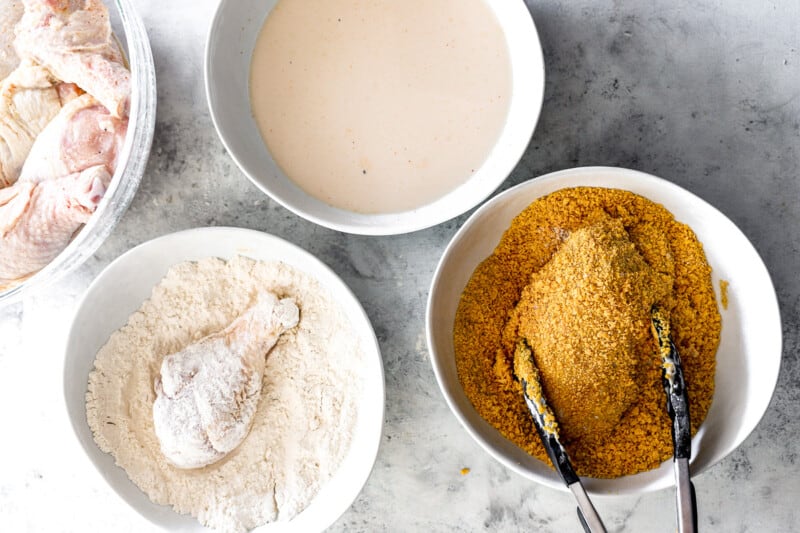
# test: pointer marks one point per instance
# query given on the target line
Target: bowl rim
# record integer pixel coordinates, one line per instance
(551, 178)
(387, 223)
(367, 455)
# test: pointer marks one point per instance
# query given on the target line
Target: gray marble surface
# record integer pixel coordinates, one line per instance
(704, 93)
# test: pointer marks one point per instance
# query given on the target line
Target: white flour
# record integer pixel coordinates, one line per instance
(305, 417)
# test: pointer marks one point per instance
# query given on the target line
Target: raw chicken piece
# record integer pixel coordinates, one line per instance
(29, 98)
(208, 392)
(82, 135)
(73, 39)
(37, 220)
(10, 13)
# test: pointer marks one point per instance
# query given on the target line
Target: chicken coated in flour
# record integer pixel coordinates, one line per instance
(207, 393)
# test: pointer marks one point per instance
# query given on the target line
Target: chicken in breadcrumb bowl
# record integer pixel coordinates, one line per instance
(575, 276)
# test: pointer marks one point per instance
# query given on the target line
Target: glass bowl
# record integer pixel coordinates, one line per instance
(130, 32)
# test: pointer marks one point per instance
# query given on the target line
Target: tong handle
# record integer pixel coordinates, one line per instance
(587, 514)
(583, 521)
(686, 498)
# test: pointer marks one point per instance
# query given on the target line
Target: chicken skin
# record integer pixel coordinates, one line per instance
(82, 135)
(38, 220)
(73, 39)
(29, 99)
(10, 13)
(64, 105)
(207, 393)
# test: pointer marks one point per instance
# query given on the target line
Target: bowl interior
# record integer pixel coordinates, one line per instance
(122, 287)
(229, 48)
(748, 357)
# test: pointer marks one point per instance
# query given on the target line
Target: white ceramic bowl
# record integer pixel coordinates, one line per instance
(749, 353)
(120, 290)
(130, 31)
(229, 47)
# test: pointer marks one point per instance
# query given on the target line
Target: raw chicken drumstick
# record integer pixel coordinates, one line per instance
(73, 39)
(37, 220)
(208, 392)
(82, 135)
(29, 98)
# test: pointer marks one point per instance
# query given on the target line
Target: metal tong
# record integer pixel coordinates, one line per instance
(546, 425)
(678, 409)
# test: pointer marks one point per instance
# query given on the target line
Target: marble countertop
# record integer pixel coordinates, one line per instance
(704, 93)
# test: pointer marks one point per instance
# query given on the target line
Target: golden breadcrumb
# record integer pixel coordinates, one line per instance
(576, 275)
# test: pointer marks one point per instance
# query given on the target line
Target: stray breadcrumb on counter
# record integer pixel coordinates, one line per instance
(465, 471)
(723, 289)
(575, 276)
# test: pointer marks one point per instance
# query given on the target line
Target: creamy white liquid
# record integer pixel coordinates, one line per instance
(380, 106)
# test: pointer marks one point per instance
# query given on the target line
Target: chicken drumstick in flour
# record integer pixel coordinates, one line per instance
(207, 393)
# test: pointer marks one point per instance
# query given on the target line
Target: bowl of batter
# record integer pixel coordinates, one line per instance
(379, 118)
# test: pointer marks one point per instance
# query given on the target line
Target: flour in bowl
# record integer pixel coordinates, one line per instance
(305, 417)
